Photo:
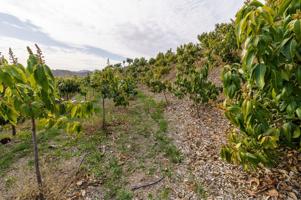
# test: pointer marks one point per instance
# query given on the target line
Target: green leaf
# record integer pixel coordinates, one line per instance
(31, 63)
(287, 128)
(73, 111)
(259, 73)
(298, 112)
(297, 133)
(293, 48)
(6, 79)
(284, 6)
(297, 29)
(291, 107)
(249, 59)
(41, 78)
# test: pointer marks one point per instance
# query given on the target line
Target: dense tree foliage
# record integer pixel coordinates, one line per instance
(68, 87)
(220, 43)
(191, 80)
(263, 93)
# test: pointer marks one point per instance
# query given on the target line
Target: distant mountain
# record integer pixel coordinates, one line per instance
(62, 73)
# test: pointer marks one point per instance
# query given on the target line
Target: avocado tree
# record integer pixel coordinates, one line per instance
(220, 43)
(68, 87)
(30, 92)
(154, 79)
(84, 87)
(192, 81)
(112, 85)
(263, 93)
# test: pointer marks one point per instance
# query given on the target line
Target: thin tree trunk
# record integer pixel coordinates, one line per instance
(165, 97)
(14, 131)
(36, 159)
(103, 114)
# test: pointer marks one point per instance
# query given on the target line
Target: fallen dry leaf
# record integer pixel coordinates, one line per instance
(273, 193)
(254, 183)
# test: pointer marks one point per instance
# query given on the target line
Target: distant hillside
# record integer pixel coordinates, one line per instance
(61, 72)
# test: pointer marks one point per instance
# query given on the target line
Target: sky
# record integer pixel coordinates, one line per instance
(83, 34)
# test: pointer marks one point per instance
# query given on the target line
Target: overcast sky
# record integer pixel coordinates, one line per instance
(82, 34)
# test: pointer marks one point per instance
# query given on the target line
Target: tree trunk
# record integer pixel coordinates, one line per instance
(14, 131)
(165, 97)
(36, 159)
(103, 114)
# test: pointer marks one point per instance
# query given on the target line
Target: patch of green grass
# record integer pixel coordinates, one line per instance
(30, 163)
(9, 182)
(11, 153)
(143, 138)
(5, 135)
(136, 141)
(150, 197)
(200, 191)
(124, 195)
(156, 111)
(164, 193)
(165, 145)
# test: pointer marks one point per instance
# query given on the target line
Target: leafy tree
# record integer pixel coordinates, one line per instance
(151, 61)
(112, 85)
(160, 86)
(155, 80)
(263, 93)
(138, 68)
(85, 85)
(31, 92)
(94, 82)
(68, 87)
(221, 42)
(129, 61)
(191, 80)
(196, 86)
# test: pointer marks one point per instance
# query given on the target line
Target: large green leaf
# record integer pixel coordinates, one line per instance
(287, 131)
(41, 77)
(259, 74)
(297, 29)
(297, 133)
(298, 112)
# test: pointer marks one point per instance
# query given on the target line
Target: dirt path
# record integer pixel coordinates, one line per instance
(200, 140)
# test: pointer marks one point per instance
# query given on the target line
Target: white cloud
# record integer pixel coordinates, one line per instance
(55, 57)
(129, 28)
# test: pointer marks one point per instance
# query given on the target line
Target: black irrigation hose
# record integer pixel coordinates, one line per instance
(147, 185)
